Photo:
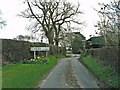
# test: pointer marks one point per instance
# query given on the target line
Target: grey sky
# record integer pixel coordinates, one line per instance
(16, 25)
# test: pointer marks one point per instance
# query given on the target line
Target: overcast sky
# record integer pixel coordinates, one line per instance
(16, 25)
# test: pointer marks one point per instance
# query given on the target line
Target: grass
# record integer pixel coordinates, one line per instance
(25, 75)
(0, 77)
(103, 72)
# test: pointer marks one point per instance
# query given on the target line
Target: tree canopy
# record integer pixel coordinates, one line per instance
(77, 43)
(109, 24)
(53, 17)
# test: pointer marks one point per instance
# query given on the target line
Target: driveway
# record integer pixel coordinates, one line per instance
(69, 73)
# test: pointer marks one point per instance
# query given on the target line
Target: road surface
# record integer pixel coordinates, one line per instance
(69, 73)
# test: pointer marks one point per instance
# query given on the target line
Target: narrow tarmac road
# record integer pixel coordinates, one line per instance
(84, 76)
(69, 73)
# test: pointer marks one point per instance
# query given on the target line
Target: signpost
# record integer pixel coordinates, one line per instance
(46, 49)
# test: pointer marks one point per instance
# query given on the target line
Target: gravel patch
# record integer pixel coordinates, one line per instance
(71, 80)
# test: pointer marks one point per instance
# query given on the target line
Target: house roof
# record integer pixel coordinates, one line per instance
(96, 40)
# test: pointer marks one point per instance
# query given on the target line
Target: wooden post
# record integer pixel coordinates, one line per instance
(34, 55)
(46, 54)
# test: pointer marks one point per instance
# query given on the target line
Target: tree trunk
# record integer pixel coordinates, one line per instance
(50, 41)
(56, 43)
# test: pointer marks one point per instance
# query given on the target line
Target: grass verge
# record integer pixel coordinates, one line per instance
(0, 77)
(25, 75)
(104, 73)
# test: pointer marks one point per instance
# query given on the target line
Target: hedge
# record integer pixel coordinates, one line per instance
(14, 51)
(107, 55)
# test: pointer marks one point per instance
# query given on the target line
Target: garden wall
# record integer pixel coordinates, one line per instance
(12, 51)
(107, 55)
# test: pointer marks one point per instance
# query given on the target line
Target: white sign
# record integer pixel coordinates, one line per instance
(40, 48)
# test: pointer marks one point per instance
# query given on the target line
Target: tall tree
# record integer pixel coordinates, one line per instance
(66, 39)
(109, 24)
(51, 16)
(65, 13)
(77, 43)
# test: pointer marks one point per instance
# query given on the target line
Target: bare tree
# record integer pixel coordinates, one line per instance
(37, 12)
(2, 22)
(65, 13)
(109, 24)
(51, 16)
